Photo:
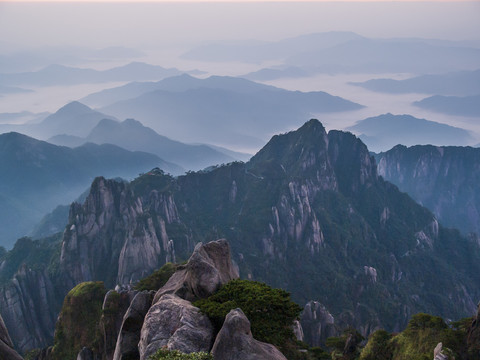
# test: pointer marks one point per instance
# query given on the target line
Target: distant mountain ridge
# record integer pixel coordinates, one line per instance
(224, 111)
(460, 83)
(383, 132)
(132, 135)
(64, 75)
(347, 52)
(74, 118)
(38, 176)
(452, 105)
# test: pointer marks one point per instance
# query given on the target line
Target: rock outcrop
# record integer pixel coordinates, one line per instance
(317, 324)
(444, 179)
(209, 267)
(115, 305)
(173, 321)
(7, 351)
(438, 353)
(176, 324)
(29, 306)
(235, 341)
(129, 335)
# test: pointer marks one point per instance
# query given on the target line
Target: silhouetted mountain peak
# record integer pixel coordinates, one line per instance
(74, 107)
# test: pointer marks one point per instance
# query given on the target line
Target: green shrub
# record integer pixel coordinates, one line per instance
(78, 323)
(177, 355)
(378, 347)
(270, 311)
(157, 279)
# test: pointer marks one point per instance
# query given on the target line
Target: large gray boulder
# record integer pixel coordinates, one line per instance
(209, 267)
(235, 341)
(129, 336)
(176, 324)
(6, 346)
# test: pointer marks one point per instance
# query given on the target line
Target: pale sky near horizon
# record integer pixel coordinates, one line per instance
(140, 24)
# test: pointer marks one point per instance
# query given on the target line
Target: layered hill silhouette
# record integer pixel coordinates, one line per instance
(132, 135)
(65, 75)
(334, 52)
(74, 119)
(462, 83)
(452, 105)
(221, 110)
(383, 132)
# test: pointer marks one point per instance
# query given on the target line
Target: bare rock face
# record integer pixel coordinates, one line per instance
(129, 336)
(317, 324)
(115, 305)
(28, 306)
(235, 341)
(438, 353)
(176, 324)
(6, 346)
(209, 267)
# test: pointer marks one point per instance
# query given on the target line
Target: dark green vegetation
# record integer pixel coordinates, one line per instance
(78, 322)
(177, 355)
(270, 311)
(157, 279)
(38, 254)
(420, 338)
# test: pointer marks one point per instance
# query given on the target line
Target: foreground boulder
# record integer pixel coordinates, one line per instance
(176, 324)
(235, 341)
(209, 267)
(172, 320)
(6, 347)
(129, 336)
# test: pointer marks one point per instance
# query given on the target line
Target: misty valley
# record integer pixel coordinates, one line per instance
(190, 189)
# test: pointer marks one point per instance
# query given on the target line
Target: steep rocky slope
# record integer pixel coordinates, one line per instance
(308, 213)
(445, 179)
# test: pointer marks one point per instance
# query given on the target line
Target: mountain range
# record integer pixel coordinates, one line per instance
(242, 113)
(132, 135)
(347, 52)
(461, 83)
(38, 176)
(383, 132)
(308, 213)
(452, 105)
(73, 119)
(65, 75)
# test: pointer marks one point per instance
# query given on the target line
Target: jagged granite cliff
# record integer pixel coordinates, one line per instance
(308, 213)
(445, 179)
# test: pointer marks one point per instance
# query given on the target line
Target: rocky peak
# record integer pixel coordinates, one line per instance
(351, 160)
(235, 341)
(209, 267)
(301, 153)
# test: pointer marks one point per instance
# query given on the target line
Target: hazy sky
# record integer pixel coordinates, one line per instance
(162, 23)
